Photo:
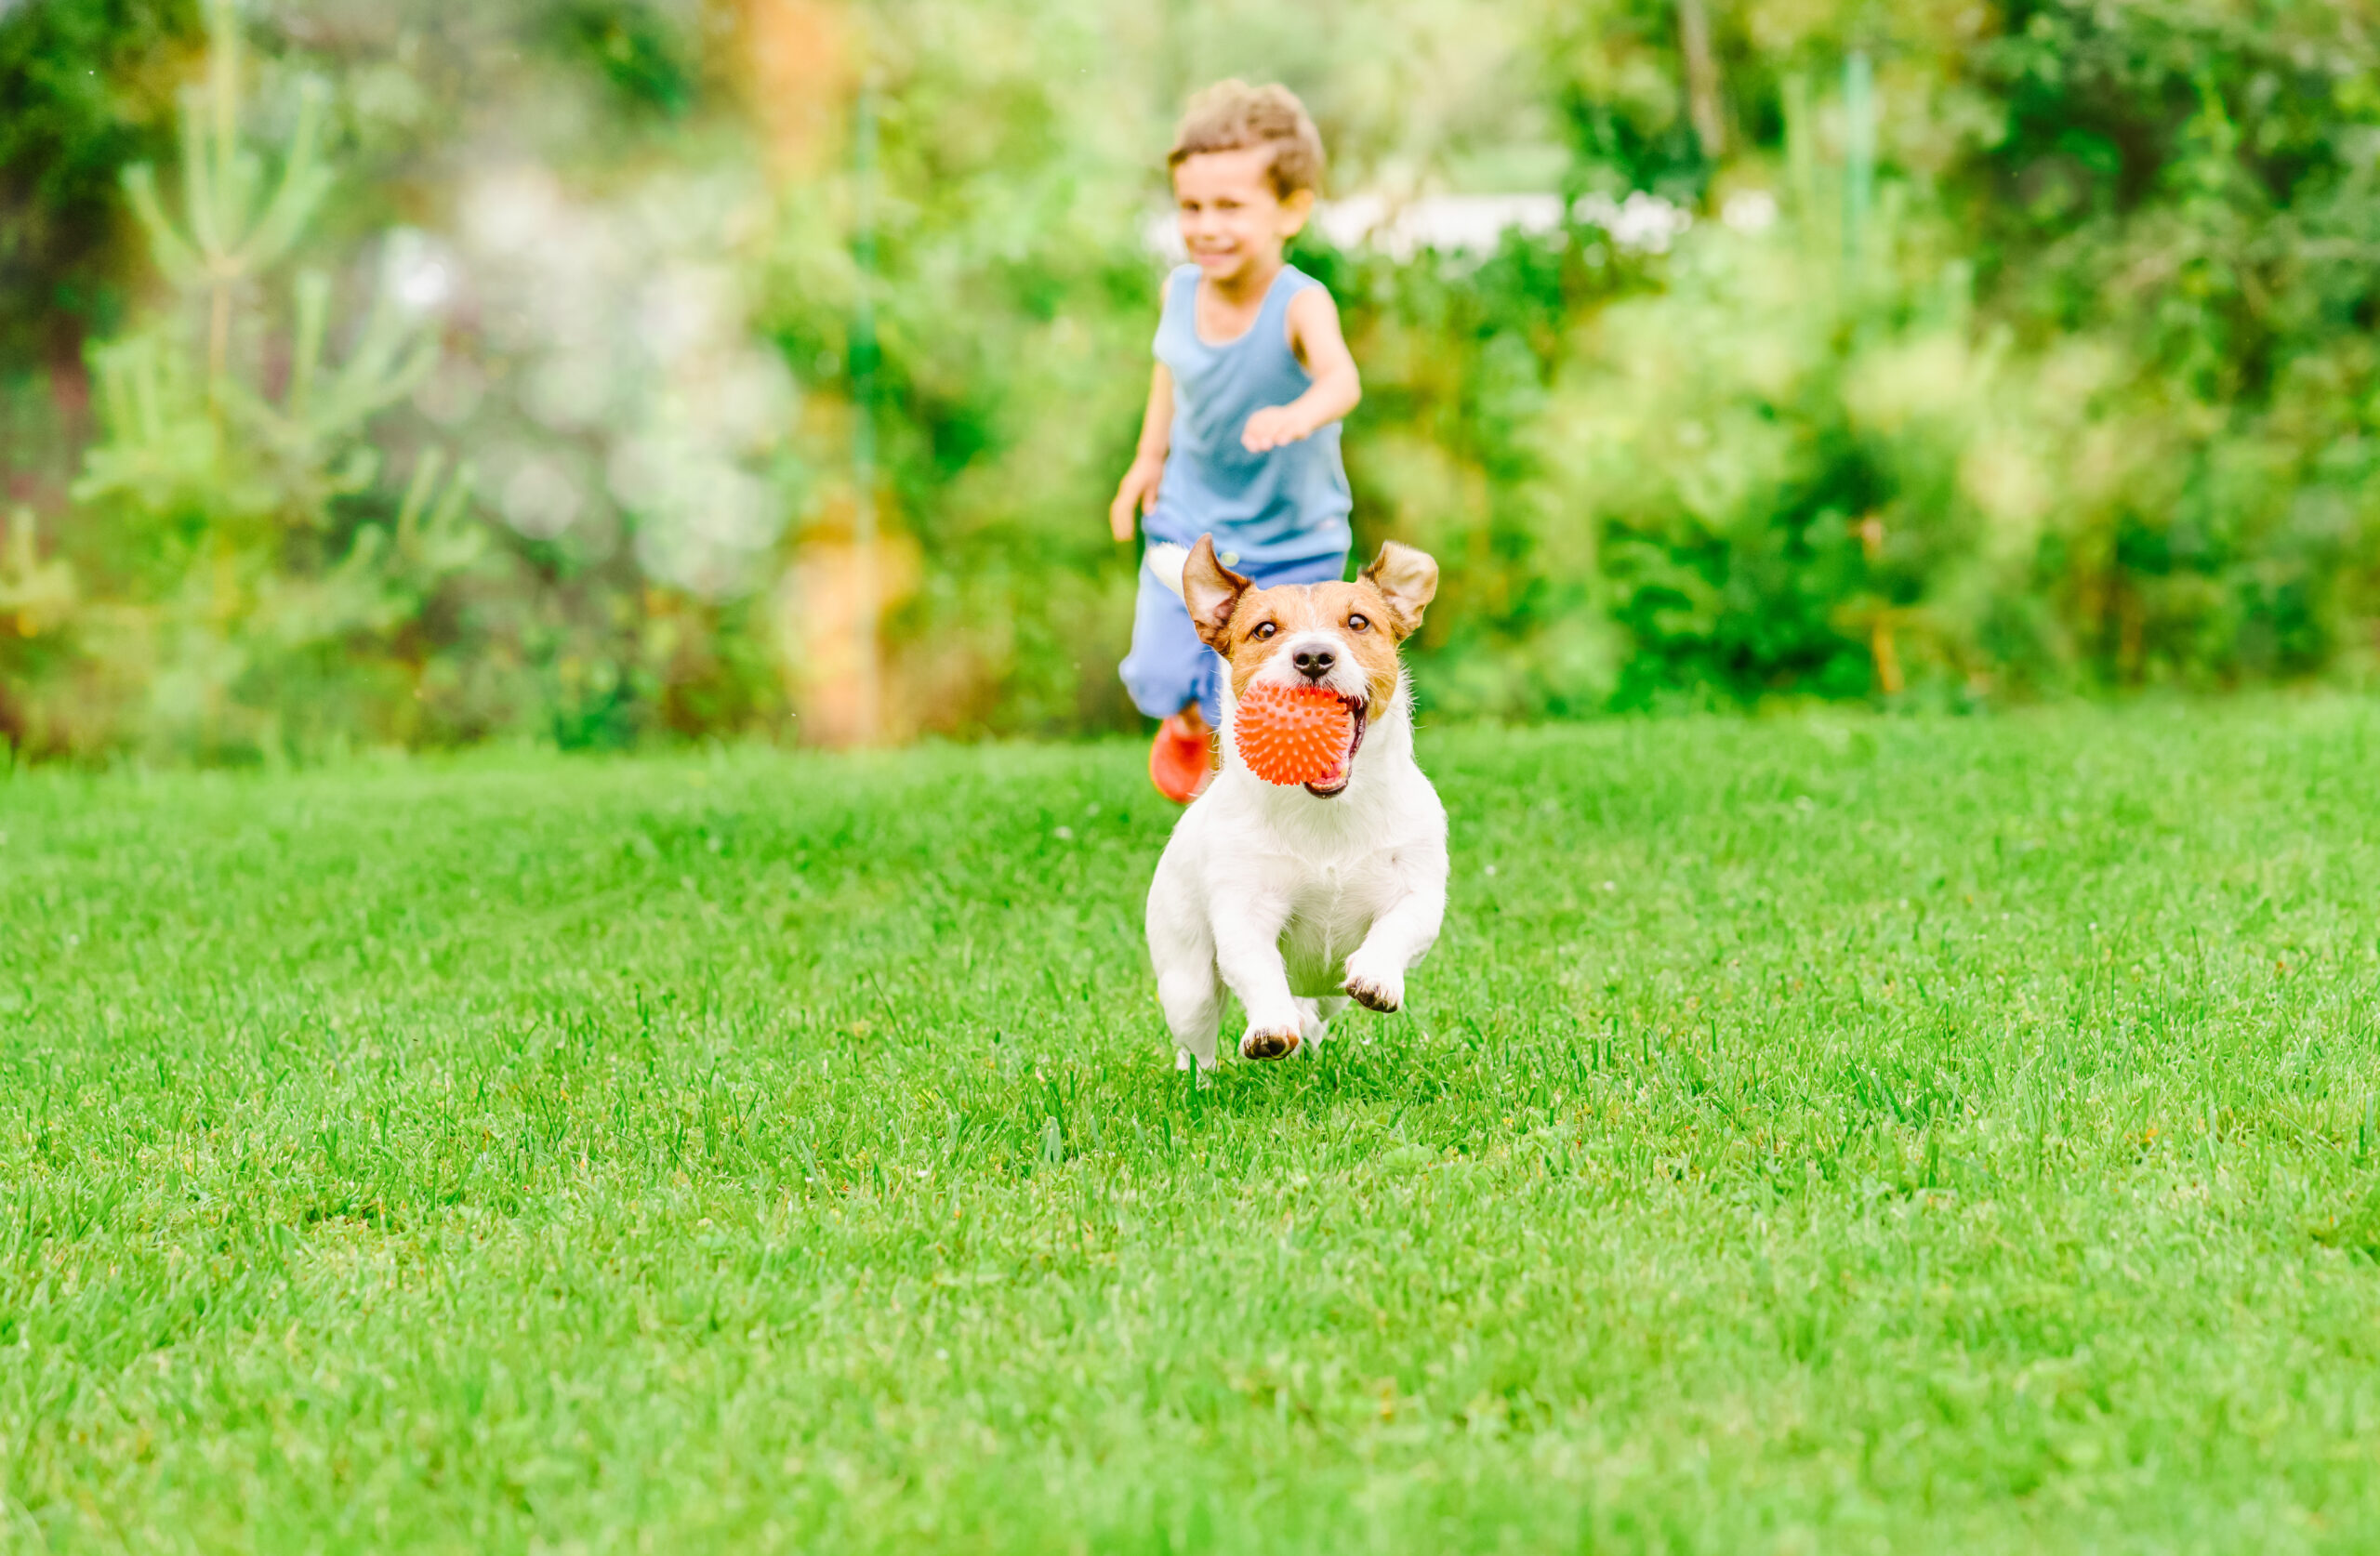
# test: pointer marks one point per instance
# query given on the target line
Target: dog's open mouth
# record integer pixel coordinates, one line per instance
(1336, 780)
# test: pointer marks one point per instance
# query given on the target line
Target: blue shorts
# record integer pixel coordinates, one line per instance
(1169, 668)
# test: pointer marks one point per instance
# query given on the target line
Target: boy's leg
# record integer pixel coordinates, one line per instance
(1172, 677)
(1162, 670)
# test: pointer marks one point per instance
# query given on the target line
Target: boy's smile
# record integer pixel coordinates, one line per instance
(1234, 222)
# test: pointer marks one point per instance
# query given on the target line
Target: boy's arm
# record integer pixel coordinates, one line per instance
(1136, 494)
(1315, 336)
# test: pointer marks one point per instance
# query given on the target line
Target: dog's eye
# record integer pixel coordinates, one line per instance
(1358, 623)
(1263, 631)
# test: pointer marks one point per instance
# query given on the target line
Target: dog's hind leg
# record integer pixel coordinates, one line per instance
(1189, 988)
(1193, 999)
(1314, 1018)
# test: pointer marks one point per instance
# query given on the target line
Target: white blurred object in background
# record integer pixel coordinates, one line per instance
(1750, 210)
(1470, 224)
(626, 334)
(419, 270)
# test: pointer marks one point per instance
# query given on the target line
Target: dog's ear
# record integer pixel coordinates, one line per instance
(1406, 579)
(1212, 591)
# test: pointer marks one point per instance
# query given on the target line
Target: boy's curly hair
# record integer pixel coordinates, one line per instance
(1232, 116)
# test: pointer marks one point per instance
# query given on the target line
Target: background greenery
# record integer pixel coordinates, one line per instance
(2068, 387)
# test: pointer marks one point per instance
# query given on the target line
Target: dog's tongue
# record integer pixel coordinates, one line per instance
(1294, 735)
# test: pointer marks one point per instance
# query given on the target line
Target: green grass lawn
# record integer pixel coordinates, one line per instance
(1811, 1135)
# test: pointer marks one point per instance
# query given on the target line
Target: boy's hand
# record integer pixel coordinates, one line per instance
(1277, 425)
(1135, 495)
(1322, 350)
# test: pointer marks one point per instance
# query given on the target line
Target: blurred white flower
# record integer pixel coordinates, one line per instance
(1750, 210)
(540, 499)
(629, 328)
(639, 470)
(452, 392)
(1161, 235)
(1450, 223)
(419, 270)
(505, 211)
(750, 399)
(1643, 223)
(1469, 224)
(681, 309)
(572, 388)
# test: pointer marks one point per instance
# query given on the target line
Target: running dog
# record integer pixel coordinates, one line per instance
(1300, 898)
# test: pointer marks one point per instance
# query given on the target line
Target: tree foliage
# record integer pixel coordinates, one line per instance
(2009, 352)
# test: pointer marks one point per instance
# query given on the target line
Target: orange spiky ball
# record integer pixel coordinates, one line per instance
(1293, 734)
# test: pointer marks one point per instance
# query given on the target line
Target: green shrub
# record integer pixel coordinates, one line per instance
(244, 584)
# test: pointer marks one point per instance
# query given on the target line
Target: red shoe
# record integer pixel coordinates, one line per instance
(1179, 759)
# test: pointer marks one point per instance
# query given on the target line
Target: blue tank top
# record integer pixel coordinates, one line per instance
(1289, 504)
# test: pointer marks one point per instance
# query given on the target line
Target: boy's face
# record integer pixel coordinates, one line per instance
(1232, 221)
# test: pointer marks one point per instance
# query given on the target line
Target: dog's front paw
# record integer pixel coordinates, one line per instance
(1269, 1042)
(1383, 991)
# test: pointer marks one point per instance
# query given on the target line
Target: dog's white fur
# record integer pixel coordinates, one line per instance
(1164, 560)
(1294, 901)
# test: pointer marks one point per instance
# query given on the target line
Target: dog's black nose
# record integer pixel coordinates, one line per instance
(1314, 663)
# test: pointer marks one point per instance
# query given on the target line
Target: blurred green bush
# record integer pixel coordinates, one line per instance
(2009, 352)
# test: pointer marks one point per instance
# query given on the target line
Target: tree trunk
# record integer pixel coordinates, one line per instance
(1701, 78)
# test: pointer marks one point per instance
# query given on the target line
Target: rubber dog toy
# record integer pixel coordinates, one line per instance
(1293, 734)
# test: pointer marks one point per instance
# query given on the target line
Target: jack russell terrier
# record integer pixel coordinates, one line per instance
(1302, 897)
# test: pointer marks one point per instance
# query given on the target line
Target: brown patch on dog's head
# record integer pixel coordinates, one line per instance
(1267, 623)
(1358, 625)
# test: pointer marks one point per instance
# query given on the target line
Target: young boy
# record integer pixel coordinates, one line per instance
(1241, 436)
